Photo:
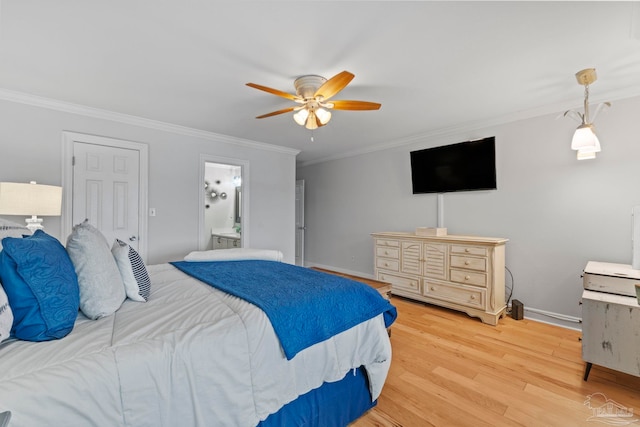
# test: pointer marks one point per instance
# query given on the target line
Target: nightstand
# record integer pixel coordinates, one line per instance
(610, 325)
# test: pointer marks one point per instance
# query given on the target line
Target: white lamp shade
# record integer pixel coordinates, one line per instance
(585, 139)
(30, 199)
(312, 122)
(301, 116)
(586, 155)
(323, 115)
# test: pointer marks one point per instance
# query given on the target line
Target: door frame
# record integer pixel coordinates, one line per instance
(244, 208)
(300, 227)
(68, 139)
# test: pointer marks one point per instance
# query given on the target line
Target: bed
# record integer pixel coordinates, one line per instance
(194, 355)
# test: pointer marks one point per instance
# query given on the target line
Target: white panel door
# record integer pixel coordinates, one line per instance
(300, 227)
(106, 190)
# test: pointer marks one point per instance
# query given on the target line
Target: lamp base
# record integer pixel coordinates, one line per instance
(34, 223)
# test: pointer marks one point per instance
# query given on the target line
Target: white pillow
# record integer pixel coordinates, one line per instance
(6, 316)
(101, 287)
(134, 274)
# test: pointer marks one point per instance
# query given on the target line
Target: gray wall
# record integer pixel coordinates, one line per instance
(557, 212)
(31, 149)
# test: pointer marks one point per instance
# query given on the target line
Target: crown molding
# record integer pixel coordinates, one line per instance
(470, 127)
(96, 113)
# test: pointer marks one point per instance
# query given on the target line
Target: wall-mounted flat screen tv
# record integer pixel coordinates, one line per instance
(466, 166)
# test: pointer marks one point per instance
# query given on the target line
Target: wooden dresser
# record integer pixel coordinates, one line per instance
(464, 273)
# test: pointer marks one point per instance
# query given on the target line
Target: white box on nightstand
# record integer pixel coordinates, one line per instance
(431, 231)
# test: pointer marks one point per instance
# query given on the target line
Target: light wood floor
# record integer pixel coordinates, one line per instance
(449, 369)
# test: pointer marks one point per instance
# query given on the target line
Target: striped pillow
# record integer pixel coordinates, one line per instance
(134, 274)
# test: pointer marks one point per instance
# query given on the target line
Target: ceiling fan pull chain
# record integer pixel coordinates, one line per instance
(311, 136)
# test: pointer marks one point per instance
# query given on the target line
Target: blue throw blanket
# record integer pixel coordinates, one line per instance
(304, 306)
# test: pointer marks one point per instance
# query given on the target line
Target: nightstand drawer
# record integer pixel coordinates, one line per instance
(456, 294)
(471, 263)
(387, 252)
(468, 250)
(468, 278)
(406, 284)
(387, 264)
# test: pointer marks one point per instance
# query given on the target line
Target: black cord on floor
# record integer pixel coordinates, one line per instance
(512, 285)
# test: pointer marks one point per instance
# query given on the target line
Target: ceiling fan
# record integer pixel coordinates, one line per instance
(313, 94)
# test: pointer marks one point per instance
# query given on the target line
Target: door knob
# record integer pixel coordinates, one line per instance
(133, 238)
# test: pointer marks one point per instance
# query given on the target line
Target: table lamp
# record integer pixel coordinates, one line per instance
(30, 199)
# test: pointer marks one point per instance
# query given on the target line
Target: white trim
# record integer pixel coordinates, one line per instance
(68, 138)
(563, 320)
(300, 215)
(340, 270)
(246, 193)
(67, 107)
(536, 314)
(470, 127)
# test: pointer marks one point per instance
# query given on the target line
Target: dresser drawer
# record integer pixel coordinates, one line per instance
(468, 278)
(388, 242)
(468, 250)
(459, 261)
(462, 295)
(388, 264)
(406, 284)
(388, 252)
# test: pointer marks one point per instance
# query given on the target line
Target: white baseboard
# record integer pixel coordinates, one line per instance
(531, 313)
(340, 270)
(557, 319)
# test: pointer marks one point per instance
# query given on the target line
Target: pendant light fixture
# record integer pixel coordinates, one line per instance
(585, 141)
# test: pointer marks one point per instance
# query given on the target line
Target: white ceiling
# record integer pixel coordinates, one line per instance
(432, 65)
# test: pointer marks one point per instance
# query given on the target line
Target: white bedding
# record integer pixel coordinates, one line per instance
(190, 356)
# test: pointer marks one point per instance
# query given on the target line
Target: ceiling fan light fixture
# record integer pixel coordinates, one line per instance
(301, 116)
(323, 115)
(313, 92)
(312, 121)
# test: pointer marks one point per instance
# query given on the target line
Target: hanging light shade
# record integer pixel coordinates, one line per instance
(301, 116)
(586, 155)
(312, 121)
(323, 116)
(585, 141)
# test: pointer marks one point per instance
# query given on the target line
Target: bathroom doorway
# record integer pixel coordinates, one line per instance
(223, 203)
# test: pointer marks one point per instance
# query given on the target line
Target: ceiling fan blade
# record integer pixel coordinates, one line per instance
(334, 85)
(354, 105)
(275, 113)
(273, 91)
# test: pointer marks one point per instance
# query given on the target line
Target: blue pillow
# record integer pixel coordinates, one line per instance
(41, 284)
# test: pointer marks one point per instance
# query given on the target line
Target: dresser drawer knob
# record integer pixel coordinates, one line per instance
(386, 264)
(386, 252)
(433, 288)
(473, 297)
(466, 263)
(467, 277)
(467, 250)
